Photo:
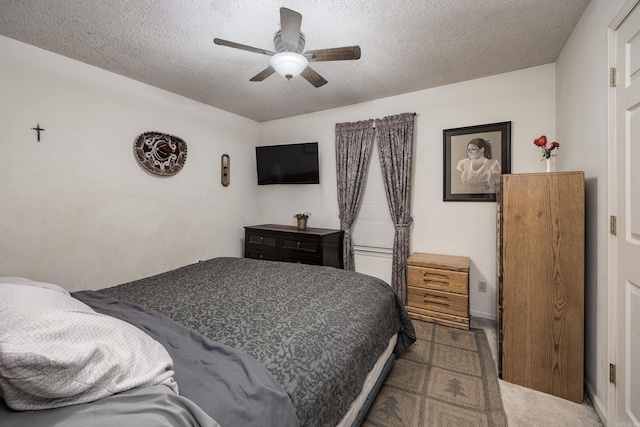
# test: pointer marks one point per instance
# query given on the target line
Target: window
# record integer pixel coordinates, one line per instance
(373, 227)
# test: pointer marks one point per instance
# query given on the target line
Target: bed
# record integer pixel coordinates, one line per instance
(251, 343)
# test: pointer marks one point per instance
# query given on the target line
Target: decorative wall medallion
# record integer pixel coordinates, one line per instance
(160, 153)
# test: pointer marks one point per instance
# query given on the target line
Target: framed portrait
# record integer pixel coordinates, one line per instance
(474, 159)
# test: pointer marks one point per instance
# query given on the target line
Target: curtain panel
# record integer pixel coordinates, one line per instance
(395, 146)
(353, 148)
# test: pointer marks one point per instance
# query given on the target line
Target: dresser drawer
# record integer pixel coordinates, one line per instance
(302, 259)
(299, 244)
(439, 280)
(264, 255)
(262, 240)
(444, 302)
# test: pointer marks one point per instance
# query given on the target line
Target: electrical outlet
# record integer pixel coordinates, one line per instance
(482, 286)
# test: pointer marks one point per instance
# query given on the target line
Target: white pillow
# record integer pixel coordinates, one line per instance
(56, 351)
(14, 280)
(29, 282)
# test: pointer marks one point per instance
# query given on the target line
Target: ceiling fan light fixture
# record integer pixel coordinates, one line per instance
(288, 64)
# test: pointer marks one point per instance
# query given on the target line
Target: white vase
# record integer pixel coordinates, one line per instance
(547, 162)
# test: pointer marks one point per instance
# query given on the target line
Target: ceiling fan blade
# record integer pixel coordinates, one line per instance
(222, 42)
(290, 22)
(313, 77)
(333, 54)
(263, 74)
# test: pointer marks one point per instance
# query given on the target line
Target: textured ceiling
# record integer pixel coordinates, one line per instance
(406, 45)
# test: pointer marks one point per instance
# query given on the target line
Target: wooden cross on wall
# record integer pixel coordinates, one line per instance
(38, 129)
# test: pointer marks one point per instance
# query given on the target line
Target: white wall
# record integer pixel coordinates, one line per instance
(582, 88)
(77, 209)
(526, 98)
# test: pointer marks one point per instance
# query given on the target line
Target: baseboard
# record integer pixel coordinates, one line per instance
(490, 316)
(597, 403)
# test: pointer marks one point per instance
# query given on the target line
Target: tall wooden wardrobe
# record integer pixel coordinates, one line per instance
(540, 301)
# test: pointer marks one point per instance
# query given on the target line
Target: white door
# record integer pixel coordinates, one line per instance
(627, 196)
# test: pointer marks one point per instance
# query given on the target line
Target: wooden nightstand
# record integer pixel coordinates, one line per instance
(438, 289)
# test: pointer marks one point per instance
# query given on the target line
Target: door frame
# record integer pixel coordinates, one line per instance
(612, 208)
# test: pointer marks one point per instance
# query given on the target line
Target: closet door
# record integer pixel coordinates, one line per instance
(626, 269)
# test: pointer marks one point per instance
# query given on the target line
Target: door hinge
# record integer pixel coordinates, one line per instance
(613, 225)
(612, 77)
(612, 373)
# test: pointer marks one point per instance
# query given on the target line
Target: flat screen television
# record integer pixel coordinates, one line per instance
(288, 164)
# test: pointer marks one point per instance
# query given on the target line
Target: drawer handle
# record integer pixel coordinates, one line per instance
(298, 244)
(434, 299)
(261, 256)
(434, 277)
(261, 239)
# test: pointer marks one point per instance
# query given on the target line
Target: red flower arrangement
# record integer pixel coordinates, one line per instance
(547, 147)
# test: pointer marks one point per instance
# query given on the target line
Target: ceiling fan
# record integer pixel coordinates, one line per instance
(289, 60)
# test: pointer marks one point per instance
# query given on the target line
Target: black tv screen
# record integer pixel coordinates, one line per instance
(288, 164)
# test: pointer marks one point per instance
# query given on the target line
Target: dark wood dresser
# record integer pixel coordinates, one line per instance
(273, 242)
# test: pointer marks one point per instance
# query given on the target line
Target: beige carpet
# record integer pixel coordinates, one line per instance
(447, 378)
(528, 408)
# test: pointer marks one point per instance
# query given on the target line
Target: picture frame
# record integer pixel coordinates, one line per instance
(468, 174)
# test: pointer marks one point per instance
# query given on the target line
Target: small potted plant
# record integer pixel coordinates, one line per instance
(302, 220)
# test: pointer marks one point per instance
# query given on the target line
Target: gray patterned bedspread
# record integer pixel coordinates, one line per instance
(227, 384)
(318, 330)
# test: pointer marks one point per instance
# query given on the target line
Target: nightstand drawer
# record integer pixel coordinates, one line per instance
(436, 279)
(444, 302)
(454, 321)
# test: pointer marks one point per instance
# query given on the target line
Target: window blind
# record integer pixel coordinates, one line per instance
(373, 227)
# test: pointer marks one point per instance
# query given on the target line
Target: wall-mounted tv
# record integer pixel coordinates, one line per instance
(288, 164)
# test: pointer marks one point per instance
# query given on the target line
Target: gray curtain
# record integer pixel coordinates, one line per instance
(353, 148)
(395, 145)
